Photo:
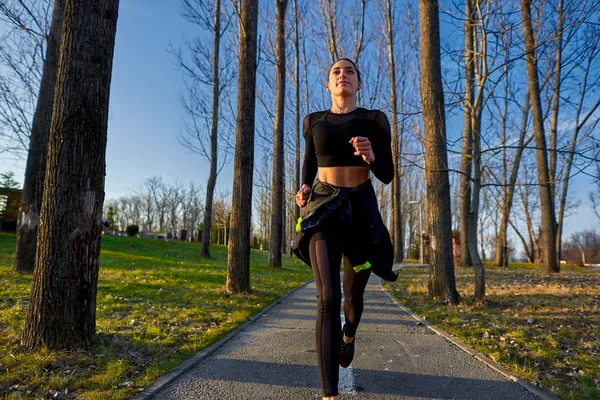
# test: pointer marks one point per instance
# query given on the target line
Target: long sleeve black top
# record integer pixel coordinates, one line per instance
(327, 137)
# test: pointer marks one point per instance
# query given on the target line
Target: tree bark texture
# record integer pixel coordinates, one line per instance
(212, 177)
(474, 212)
(476, 110)
(238, 255)
(548, 217)
(554, 120)
(442, 282)
(297, 107)
(62, 310)
(396, 184)
(275, 244)
(467, 138)
(35, 170)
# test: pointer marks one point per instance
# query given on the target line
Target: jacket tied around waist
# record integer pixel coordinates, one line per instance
(355, 213)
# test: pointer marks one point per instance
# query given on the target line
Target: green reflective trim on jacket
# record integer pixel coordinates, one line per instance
(359, 268)
(298, 228)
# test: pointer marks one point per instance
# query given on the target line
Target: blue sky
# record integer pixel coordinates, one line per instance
(146, 113)
(145, 109)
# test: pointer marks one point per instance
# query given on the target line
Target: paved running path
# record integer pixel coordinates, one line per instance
(397, 358)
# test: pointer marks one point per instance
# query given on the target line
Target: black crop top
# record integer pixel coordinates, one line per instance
(327, 137)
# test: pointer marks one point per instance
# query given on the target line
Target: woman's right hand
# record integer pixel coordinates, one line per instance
(302, 195)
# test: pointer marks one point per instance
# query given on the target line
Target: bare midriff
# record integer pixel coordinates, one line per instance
(350, 176)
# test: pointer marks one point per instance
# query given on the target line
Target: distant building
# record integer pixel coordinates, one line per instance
(9, 208)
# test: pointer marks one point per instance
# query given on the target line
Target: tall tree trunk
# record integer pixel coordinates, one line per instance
(35, 171)
(476, 110)
(396, 184)
(556, 93)
(474, 212)
(442, 282)
(277, 193)
(467, 138)
(533, 247)
(554, 119)
(297, 106)
(62, 311)
(501, 256)
(212, 177)
(238, 254)
(501, 251)
(548, 218)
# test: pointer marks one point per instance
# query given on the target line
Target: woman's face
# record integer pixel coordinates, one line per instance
(343, 79)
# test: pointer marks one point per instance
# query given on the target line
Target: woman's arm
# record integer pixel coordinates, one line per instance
(310, 167)
(383, 166)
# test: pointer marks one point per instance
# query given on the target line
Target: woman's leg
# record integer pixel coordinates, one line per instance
(354, 289)
(325, 258)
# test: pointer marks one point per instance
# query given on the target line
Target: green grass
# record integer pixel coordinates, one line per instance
(158, 303)
(543, 327)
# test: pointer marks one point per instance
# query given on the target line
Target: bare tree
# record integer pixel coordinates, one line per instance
(467, 136)
(297, 110)
(174, 203)
(442, 281)
(328, 10)
(124, 214)
(278, 149)
(205, 71)
(582, 39)
(549, 259)
(161, 194)
(263, 185)
(390, 33)
(530, 202)
(238, 257)
(191, 209)
(135, 210)
(31, 199)
(511, 149)
(25, 33)
(354, 22)
(222, 216)
(146, 193)
(479, 20)
(557, 85)
(62, 310)
(583, 248)
(508, 187)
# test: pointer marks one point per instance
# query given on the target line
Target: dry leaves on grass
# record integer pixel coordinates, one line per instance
(543, 327)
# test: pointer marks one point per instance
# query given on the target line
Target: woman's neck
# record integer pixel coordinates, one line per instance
(343, 105)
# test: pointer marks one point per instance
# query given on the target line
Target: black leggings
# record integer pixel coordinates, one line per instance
(325, 258)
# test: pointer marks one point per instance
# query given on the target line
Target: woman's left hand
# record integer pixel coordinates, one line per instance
(362, 145)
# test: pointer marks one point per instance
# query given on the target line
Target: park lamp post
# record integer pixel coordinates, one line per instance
(422, 261)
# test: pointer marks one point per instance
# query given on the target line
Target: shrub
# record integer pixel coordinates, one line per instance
(132, 230)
